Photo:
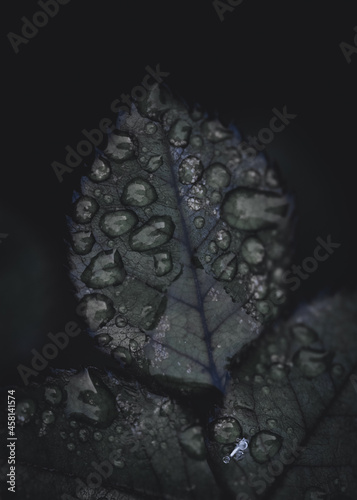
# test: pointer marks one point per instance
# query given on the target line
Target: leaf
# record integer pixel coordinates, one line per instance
(78, 425)
(291, 397)
(179, 243)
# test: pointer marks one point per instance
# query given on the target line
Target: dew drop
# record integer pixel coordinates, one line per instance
(103, 339)
(104, 269)
(251, 178)
(180, 133)
(138, 193)
(162, 263)
(225, 430)
(120, 321)
(48, 417)
(120, 146)
(71, 446)
(82, 242)
(304, 334)
(215, 132)
(243, 268)
(150, 128)
(83, 435)
(133, 345)
(217, 176)
(196, 141)
(223, 239)
(108, 199)
(225, 267)
(250, 210)
(25, 410)
(154, 233)
(190, 170)
(252, 251)
(84, 209)
(312, 362)
(117, 223)
(272, 423)
(100, 170)
(215, 197)
(154, 163)
(53, 394)
(278, 371)
(97, 309)
(264, 445)
(199, 222)
(213, 248)
(122, 355)
(97, 436)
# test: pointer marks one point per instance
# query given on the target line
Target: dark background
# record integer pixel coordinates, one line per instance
(264, 55)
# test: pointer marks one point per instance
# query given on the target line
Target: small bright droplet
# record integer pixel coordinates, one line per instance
(252, 251)
(199, 222)
(190, 170)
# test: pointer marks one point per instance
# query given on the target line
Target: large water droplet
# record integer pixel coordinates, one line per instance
(304, 334)
(199, 222)
(162, 263)
(253, 210)
(179, 133)
(217, 176)
(139, 193)
(264, 445)
(154, 233)
(53, 394)
(120, 146)
(190, 170)
(84, 209)
(154, 163)
(312, 362)
(192, 442)
(104, 269)
(215, 132)
(252, 251)
(100, 170)
(82, 242)
(117, 223)
(97, 310)
(25, 410)
(225, 430)
(225, 267)
(89, 399)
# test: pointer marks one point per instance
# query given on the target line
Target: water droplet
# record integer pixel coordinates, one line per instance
(264, 445)
(84, 209)
(108, 199)
(217, 176)
(154, 233)
(120, 146)
(251, 178)
(103, 339)
(278, 371)
(225, 266)
(223, 239)
(122, 355)
(196, 141)
(133, 345)
(97, 309)
(88, 399)
(190, 170)
(290, 430)
(338, 370)
(213, 247)
(97, 193)
(272, 423)
(162, 263)
(111, 439)
(215, 132)
(252, 251)
(180, 133)
(271, 178)
(97, 436)
(266, 390)
(104, 269)
(243, 268)
(253, 210)
(226, 459)
(215, 197)
(154, 163)
(199, 222)
(138, 193)
(48, 417)
(83, 435)
(304, 334)
(150, 128)
(82, 242)
(312, 362)
(63, 435)
(119, 463)
(25, 410)
(120, 321)
(100, 170)
(192, 442)
(73, 424)
(71, 446)
(53, 394)
(117, 223)
(225, 430)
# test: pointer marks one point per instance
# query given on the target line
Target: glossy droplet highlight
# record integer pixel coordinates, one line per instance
(190, 170)
(150, 128)
(100, 170)
(223, 239)
(225, 430)
(116, 223)
(162, 263)
(265, 445)
(139, 193)
(156, 232)
(253, 210)
(104, 269)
